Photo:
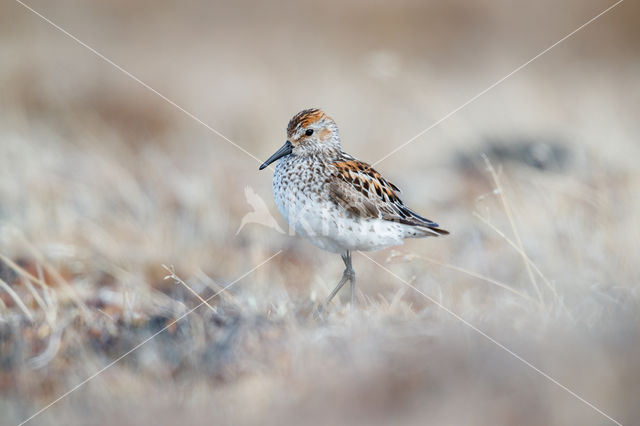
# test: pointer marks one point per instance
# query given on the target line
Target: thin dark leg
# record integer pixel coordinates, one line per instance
(347, 275)
(352, 286)
(342, 282)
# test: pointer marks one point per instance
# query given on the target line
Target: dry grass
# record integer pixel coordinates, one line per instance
(102, 183)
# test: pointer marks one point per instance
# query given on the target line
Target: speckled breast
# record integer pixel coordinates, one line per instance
(299, 190)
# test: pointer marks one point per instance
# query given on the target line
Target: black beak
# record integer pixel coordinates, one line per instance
(284, 150)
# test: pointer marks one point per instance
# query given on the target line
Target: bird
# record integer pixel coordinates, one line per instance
(337, 202)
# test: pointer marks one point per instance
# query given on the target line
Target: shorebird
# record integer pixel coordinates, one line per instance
(336, 201)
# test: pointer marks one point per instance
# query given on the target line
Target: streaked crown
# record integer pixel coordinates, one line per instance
(304, 118)
(312, 125)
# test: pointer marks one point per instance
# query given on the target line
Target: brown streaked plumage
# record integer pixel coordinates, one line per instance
(304, 118)
(336, 201)
(364, 186)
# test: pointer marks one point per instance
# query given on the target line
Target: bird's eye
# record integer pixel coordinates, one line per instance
(309, 132)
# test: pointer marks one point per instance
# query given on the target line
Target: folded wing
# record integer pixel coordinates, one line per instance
(364, 192)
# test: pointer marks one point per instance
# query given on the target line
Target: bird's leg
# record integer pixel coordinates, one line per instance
(352, 278)
(343, 280)
(347, 275)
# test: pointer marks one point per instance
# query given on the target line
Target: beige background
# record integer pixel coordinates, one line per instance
(102, 181)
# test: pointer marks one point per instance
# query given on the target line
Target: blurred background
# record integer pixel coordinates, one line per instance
(102, 181)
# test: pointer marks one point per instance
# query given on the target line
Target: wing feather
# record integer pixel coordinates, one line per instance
(364, 192)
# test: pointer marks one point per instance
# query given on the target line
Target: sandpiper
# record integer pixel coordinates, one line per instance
(336, 201)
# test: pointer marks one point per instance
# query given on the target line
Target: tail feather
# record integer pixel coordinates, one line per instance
(425, 230)
(433, 230)
(428, 227)
(413, 215)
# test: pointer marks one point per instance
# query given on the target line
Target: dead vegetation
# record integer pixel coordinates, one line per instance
(102, 184)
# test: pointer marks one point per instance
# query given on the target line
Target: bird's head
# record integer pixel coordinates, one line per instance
(309, 132)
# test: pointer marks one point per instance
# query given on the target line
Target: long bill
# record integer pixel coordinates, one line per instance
(284, 150)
